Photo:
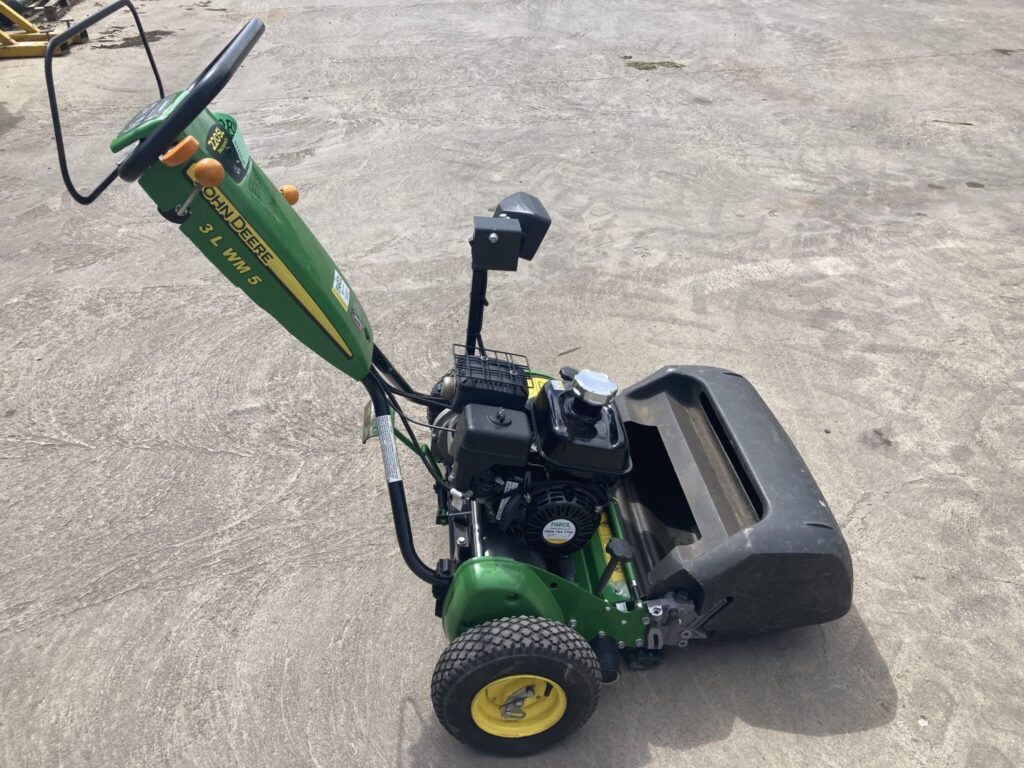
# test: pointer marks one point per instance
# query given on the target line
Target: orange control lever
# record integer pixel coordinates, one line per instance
(291, 194)
(209, 172)
(180, 152)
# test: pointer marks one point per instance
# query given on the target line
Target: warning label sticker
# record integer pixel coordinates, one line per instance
(558, 531)
(341, 290)
(387, 449)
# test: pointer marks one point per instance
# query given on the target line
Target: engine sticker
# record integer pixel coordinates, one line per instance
(219, 143)
(387, 449)
(341, 290)
(559, 531)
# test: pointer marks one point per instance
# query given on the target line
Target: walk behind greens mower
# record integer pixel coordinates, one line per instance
(586, 526)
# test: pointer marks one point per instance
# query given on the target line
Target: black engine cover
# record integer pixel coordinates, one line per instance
(561, 517)
(587, 446)
(487, 437)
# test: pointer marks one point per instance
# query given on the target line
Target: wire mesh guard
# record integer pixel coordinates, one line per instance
(493, 377)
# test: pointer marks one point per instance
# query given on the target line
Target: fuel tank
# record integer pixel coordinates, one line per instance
(254, 237)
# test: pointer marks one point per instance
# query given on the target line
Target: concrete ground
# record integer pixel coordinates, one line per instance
(197, 566)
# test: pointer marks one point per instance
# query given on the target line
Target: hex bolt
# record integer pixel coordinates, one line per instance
(638, 642)
(572, 623)
(600, 633)
(607, 608)
(461, 541)
(646, 620)
(493, 237)
(621, 645)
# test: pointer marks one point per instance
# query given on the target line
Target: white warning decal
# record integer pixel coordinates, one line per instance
(387, 449)
(559, 531)
(341, 290)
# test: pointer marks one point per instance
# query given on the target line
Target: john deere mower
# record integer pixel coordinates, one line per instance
(586, 526)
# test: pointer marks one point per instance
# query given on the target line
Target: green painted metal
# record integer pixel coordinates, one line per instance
(252, 235)
(487, 588)
(589, 562)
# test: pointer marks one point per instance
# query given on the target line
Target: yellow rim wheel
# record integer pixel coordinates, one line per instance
(517, 706)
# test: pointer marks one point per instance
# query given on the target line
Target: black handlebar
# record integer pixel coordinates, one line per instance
(198, 96)
(55, 45)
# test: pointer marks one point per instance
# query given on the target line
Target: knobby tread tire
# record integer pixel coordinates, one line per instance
(517, 641)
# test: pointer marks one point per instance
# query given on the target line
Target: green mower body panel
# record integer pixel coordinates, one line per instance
(487, 588)
(257, 241)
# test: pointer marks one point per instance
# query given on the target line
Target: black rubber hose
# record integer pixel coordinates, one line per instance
(381, 361)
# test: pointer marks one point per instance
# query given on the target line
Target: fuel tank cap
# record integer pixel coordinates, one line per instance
(594, 388)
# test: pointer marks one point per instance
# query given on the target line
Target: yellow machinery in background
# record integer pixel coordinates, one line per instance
(26, 39)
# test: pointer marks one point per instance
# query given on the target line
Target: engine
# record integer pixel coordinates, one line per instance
(537, 471)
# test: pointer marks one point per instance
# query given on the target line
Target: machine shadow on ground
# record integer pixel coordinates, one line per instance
(814, 681)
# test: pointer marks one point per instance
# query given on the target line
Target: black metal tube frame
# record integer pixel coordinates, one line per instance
(58, 135)
(399, 506)
(477, 302)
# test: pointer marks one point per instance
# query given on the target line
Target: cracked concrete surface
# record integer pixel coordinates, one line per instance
(196, 560)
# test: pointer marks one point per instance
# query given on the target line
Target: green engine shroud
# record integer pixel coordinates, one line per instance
(252, 235)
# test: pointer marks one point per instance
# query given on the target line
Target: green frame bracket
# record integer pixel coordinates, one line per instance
(487, 588)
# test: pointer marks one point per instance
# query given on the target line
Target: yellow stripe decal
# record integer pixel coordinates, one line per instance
(261, 250)
(604, 530)
(535, 384)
